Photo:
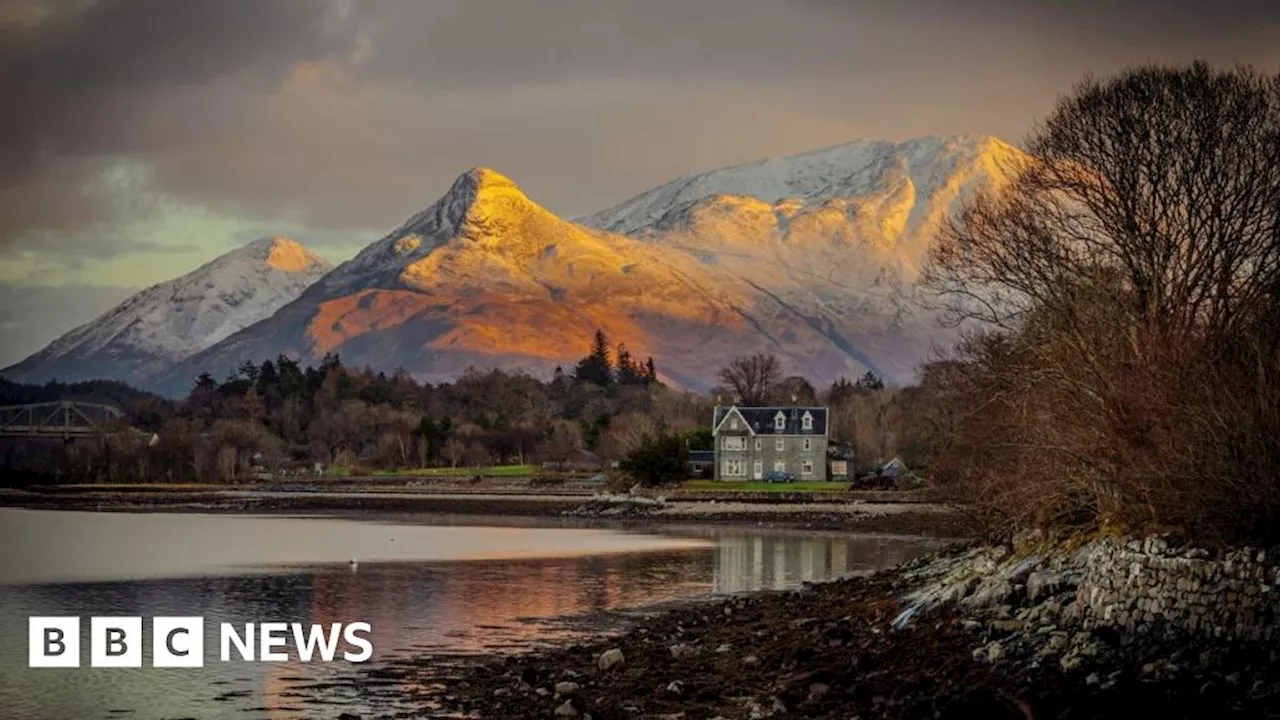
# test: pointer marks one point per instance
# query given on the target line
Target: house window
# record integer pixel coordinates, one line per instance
(733, 468)
(734, 443)
(808, 444)
(779, 444)
(806, 422)
(733, 423)
(779, 422)
(780, 465)
(757, 444)
(806, 467)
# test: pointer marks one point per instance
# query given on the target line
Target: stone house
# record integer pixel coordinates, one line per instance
(751, 441)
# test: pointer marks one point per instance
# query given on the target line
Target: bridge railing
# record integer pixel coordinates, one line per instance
(64, 419)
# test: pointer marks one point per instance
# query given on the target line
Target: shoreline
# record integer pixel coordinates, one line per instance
(973, 631)
(583, 510)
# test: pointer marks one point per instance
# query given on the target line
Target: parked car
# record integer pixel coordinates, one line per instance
(779, 476)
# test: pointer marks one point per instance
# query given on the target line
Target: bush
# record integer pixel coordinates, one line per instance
(658, 460)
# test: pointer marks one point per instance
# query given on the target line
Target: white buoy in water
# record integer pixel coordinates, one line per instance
(354, 564)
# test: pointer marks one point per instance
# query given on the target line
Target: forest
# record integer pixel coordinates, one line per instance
(278, 416)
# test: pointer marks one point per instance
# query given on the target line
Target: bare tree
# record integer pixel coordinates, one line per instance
(1130, 270)
(564, 438)
(752, 378)
(1160, 188)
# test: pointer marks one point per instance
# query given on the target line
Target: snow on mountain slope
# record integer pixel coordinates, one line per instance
(811, 258)
(908, 176)
(172, 320)
(835, 237)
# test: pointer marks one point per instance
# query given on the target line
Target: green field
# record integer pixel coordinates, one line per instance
(721, 486)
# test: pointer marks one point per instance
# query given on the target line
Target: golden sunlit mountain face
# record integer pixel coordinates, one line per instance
(288, 255)
(517, 280)
(486, 277)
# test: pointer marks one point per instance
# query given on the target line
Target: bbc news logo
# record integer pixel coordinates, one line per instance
(178, 642)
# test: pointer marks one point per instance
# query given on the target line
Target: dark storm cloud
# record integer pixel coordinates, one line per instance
(70, 73)
(350, 115)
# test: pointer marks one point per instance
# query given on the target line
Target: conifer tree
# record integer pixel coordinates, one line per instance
(596, 367)
(629, 371)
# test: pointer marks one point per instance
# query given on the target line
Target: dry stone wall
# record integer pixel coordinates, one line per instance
(1142, 587)
(1148, 586)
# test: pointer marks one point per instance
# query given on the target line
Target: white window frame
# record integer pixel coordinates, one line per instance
(733, 423)
(808, 444)
(733, 442)
(806, 467)
(806, 422)
(779, 444)
(733, 468)
(780, 465)
(758, 444)
(779, 422)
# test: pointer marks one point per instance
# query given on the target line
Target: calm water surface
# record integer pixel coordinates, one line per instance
(437, 591)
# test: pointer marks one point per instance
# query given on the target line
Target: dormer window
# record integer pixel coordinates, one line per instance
(779, 422)
(806, 421)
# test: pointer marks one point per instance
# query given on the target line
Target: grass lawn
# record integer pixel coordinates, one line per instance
(731, 486)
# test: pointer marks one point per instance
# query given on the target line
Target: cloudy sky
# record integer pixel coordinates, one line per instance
(140, 138)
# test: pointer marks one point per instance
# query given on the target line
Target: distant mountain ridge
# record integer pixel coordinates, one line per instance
(812, 258)
(165, 323)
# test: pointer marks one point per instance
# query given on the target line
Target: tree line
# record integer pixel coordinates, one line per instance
(280, 414)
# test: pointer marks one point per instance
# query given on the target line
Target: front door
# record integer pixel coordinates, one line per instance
(757, 471)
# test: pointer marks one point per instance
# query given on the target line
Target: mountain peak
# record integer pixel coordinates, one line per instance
(479, 194)
(480, 179)
(277, 252)
(174, 319)
(475, 185)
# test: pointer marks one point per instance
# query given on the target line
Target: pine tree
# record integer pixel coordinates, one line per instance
(249, 371)
(206, 383)
(650, 371)
(842, 389)
(629, 372)
(596, 368)
(869, 382)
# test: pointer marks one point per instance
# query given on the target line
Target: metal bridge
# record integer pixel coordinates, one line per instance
(64, 420)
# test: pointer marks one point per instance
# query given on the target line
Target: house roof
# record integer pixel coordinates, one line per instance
(760, 420)
(702, 456)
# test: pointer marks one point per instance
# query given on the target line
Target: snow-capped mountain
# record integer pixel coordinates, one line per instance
(811, 258)
(872, 193)
(835, 238)
(168, 322)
